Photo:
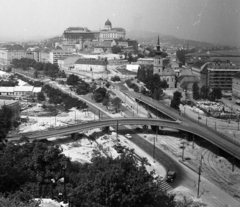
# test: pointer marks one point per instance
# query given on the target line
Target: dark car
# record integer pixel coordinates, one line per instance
(118, 148)
(171, 175)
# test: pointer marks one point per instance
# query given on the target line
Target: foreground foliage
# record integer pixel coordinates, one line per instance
(27, 169)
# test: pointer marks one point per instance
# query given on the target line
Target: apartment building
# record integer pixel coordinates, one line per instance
(10, 52)
(54, 55)
(236, 88)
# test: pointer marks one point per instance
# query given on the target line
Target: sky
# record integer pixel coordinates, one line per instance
(215, 21)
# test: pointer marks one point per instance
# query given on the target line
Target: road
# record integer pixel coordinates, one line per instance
(97, 124)
(186, 177)
(227, 144)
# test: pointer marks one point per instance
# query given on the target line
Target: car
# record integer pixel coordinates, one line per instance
(128, 136)
(171, 175)
(118, 148)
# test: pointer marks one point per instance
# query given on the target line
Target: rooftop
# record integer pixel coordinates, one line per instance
(12, 47)
(90, 62)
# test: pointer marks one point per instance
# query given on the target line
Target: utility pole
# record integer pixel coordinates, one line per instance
(117, 129)
(99, 114)
(154, 144)
(183, 147)
(193, 142)
(75, 116)
(233, 163)
(137, 108)
(199, 177)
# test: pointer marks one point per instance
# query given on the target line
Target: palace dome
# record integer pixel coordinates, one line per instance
(108, 23)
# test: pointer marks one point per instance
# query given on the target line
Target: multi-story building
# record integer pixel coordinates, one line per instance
(199, 69)
(216, 74)
(109, 33)
(54, 55)
(81, 38)
(10, 52)
(220, 75)
(236, 88)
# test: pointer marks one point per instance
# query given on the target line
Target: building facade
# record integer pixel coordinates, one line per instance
(236, 88)
(81, 38)
(109, 33)
(220, 75)
(90, 66)
(10, 52)
(168, 74)
(54, 55)
(199, 69)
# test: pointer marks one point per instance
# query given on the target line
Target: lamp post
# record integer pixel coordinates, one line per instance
(64, 167)
(117, 129)
(183, 147)
(199, 177)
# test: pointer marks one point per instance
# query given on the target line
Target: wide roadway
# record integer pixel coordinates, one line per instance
(227, 144)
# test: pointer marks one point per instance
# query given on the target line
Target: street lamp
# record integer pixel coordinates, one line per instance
(199, 178)
(64, 168)
(183, 147)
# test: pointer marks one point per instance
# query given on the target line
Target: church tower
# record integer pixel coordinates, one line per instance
(158, 60)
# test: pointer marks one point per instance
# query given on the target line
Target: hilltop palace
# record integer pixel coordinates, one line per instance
(81, 38)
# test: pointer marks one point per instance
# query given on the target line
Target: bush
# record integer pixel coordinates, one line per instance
(115, 78)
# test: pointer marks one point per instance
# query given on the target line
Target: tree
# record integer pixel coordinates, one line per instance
(118, 182)
(157, 95)
(72, 80)
(115, 78)
(195, 89)
(40, 97)
(35, 74)
(6, 115)
(117, 103)
(204, 91)
(164, 84)
(83, 88)
(105, 102)
(175, 102)
(99, 94)
(116, 49)
(216, 93)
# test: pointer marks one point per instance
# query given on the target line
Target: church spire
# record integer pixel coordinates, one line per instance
(158, 44)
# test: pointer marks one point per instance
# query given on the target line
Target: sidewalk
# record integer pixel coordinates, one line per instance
(231, 104)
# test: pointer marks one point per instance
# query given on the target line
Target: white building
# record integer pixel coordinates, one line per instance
(10, 52)
(168, 74)
(133, 68)
(109, 33)
(54, 55)
(90, 66)
(20, 91)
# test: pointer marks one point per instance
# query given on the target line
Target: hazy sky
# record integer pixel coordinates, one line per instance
(205, 20)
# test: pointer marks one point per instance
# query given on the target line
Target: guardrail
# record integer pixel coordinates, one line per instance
(208, 127)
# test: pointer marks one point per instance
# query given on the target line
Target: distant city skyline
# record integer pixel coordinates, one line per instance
(214, 21)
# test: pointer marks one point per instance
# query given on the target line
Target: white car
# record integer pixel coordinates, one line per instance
(128, 136)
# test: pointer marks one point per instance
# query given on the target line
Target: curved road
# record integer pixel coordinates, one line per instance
(226, 143)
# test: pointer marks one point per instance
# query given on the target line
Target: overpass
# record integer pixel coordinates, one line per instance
(230, 146)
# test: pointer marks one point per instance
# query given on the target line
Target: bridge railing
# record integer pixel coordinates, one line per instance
(210, 128)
